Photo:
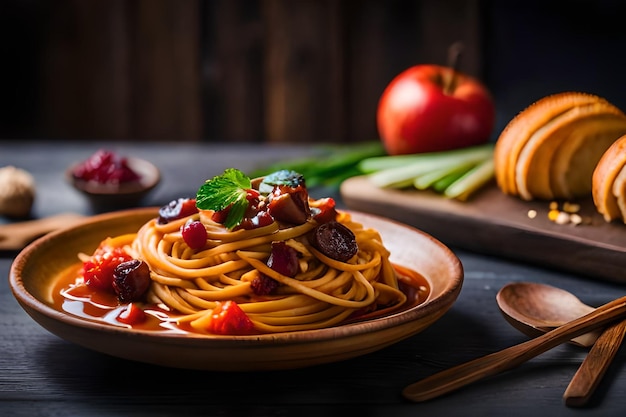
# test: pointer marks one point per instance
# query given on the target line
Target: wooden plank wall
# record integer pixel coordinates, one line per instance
(313, 70)
(118, 69)
(233, 70)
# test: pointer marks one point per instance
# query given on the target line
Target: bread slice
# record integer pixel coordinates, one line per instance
(609, 181)
(519, 130)
(550, 150)
(559, 159)
(575, 160)
(619, 192)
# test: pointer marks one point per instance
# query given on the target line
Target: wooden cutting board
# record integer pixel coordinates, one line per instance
(496, 224)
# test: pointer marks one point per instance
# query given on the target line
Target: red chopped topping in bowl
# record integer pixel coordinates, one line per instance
(105, 167)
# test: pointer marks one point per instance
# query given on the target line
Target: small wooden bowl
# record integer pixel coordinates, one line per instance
(109, 197)
(36, 268)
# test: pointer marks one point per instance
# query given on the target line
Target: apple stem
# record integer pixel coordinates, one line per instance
(454, 57)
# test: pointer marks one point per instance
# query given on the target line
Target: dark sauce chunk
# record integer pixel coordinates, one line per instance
(131, 280)
(334, 240)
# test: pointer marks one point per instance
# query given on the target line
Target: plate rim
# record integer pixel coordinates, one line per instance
(403, 317)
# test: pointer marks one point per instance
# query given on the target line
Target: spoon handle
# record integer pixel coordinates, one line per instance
(464, 374)
(593, 368)
(14, 236)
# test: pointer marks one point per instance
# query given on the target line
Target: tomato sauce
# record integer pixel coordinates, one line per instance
(72, 296)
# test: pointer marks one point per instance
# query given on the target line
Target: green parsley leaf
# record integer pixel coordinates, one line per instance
(283, 177)
(222, 191)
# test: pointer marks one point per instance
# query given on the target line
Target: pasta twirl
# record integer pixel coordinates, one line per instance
(243, 259)
(324, 293)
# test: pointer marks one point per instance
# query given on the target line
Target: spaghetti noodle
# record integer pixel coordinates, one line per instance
(324, 291)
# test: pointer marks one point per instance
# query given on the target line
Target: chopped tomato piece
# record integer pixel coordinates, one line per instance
(98, 270)
(324, 210)
(177, 209)
(228, 319)
(220, 216)
(133, 314)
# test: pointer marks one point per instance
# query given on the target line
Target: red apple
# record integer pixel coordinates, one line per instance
(417, 113)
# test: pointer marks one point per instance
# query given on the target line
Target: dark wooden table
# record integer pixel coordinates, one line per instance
(42, 375)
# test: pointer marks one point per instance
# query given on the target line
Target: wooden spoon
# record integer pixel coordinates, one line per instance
(535, 309)
(464, 374)
(532, 308)
(15, 236)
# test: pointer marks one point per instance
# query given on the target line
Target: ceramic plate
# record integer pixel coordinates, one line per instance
(36, 267)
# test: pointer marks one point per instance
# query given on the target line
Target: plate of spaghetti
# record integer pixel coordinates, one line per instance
(248, 275)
